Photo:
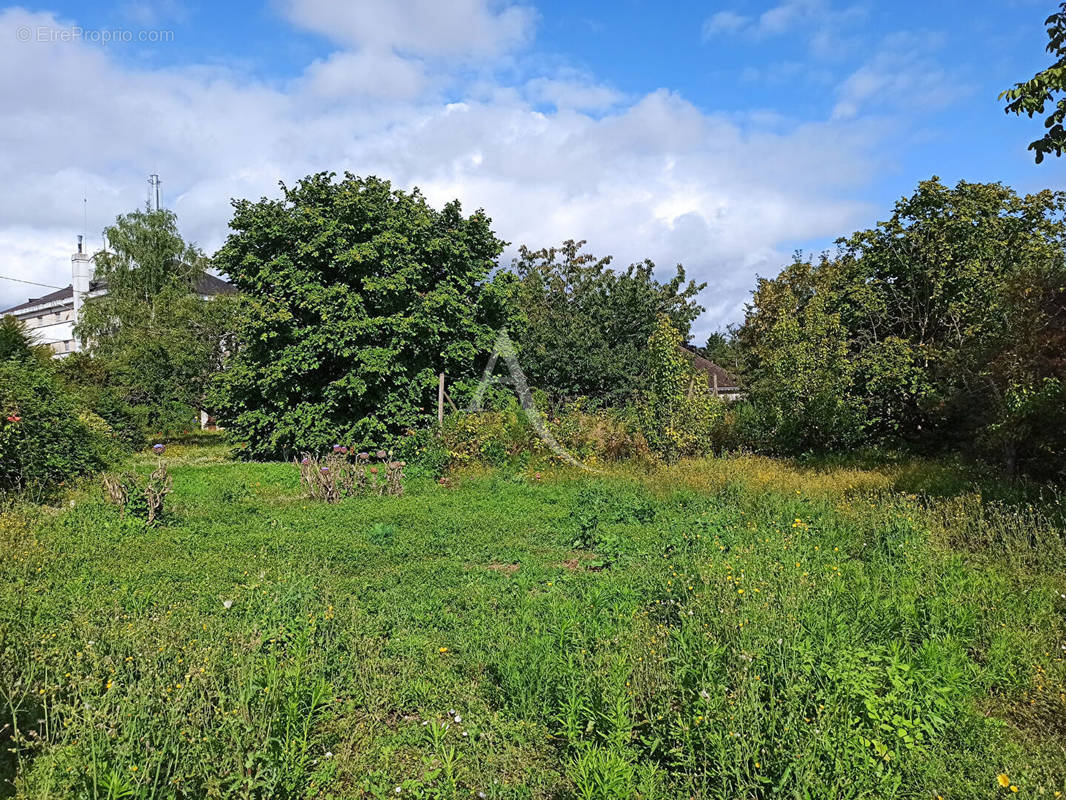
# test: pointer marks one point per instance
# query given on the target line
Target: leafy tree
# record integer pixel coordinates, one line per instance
(800, 373)
(943, 325)
(155, 337)
(358, 295)
(583, 329)
(1032, 96)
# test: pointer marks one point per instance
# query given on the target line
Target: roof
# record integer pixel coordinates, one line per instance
(205, 284)
(211, 284)
(726, 381)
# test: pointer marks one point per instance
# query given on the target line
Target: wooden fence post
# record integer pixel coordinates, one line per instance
(440, 401)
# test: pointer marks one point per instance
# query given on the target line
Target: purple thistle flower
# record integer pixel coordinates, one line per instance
(324, 470)
(305, 460)
(336, 448)
(158, 449)
(381, 454)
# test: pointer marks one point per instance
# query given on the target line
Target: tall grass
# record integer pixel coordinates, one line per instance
(740, 627)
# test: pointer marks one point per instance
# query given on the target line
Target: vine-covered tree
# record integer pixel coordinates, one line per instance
(583, 328)
(357, 295)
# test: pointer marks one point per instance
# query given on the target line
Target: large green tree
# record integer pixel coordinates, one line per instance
(357, 296)
(943, 325)
(583, 329)
(1032, 96)
(152, 334)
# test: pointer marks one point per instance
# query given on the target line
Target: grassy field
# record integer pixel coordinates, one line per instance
(733, 628)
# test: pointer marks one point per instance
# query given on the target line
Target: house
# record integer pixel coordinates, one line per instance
(51, 318)
(720, 383)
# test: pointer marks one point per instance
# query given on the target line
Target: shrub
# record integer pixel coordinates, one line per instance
(46, 436)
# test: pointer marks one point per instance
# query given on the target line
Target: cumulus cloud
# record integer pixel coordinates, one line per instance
(651, 176)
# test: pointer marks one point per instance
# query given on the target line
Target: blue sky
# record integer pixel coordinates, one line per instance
(719, 135)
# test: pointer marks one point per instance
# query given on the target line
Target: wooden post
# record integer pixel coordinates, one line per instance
(714, 376)
(440, 401)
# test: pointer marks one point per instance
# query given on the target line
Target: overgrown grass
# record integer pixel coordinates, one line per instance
(729, 628)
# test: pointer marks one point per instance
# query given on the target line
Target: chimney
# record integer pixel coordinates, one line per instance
(81, 273)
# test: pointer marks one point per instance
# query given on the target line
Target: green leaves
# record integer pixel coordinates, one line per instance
(1031, 96)
(359, 295)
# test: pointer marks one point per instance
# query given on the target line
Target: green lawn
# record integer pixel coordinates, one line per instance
(730, 628)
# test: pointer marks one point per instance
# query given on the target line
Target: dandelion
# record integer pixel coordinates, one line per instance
(443, 650)
(1004, 781)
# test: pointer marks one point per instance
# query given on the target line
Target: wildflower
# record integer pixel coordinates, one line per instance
(1004, 781)
(443, 650)
(381, 454)
(14, 418)
(158, 448)
(305, 460)
(227, 604)
(324, 470)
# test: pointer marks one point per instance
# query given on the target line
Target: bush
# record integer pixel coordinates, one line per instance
(46, 436)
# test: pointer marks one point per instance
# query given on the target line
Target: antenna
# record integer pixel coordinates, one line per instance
(154, 183)
(85, 212)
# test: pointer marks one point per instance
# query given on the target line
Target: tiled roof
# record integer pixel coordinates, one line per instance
(726, 382)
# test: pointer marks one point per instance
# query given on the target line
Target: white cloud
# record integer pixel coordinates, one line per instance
(651, 176)
(457, 28)
(900, 73)
(724, 22)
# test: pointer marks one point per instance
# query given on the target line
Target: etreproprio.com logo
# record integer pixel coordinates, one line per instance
(75, 33)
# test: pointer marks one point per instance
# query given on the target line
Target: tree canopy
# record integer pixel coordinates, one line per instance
(151, 333)
(583, 329)
(944, 324)
(356, 296)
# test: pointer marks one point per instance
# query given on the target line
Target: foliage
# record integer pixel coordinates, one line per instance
(801, 374)
(17, 342)
(815, 631)
(155, 338)
(46, 436)
(926, 329)
(582, 328)
(358, 295)
(90, 380)
(1032, 96)
(724, 350)
(677, 415)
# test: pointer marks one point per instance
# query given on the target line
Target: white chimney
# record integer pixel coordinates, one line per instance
(81, 271)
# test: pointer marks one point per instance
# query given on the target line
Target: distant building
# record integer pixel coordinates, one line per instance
(51, 318)
(720, 383)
